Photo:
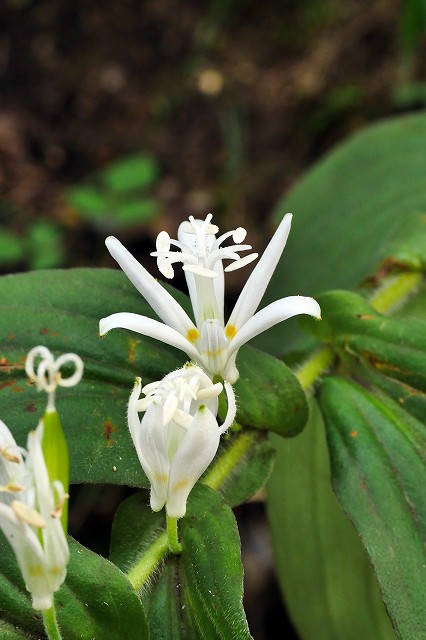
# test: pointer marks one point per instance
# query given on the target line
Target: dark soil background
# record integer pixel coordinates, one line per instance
(234, 99)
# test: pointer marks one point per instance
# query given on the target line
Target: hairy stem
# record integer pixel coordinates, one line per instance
(172, 535)
(50, 624)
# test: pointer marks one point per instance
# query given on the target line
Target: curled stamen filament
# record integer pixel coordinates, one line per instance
(47, 375)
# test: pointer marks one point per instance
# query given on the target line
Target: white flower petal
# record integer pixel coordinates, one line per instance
(252, 293)
(232, 408)
(11, 462)
(163, 303)
(152, 443)
(30, 557)
(272, 314)
(148, 327)
(196, 451)
(135, 422)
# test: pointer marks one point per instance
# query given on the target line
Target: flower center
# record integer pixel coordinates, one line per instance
(200, 250)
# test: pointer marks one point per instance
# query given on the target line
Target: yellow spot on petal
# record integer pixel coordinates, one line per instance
(36, 570)
(56, 571)
(161, 477)
(181, 484)
(192, 335)
(230, 331)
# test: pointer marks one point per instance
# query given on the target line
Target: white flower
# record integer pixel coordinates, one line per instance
(179, 435)
(209, 341)
(30, 508)
(48, 375)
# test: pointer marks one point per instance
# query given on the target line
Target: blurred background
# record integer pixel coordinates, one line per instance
(125, 116)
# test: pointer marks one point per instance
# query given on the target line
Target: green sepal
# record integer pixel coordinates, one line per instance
(378, 460)
(55, 451)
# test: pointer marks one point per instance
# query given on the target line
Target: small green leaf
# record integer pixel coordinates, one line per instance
(378, 456)
(139, 211)
(12, 247)
(44, 246)
(132, 172)
(329, 587)
(199, 593)
(89, 201)
(96, 600)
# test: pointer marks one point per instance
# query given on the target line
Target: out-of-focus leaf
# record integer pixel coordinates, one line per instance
(132, 172)
(328, 585)
(89, 201)
(137, 211)
(378, 460)
(199, 593)
(45, 251)
(346, 208)
(12, 247)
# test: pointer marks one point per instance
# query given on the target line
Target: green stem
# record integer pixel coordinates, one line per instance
(310, 370)
(144, 568)
(395, 290)
(227, 462)
(172, 535)
(50, 624)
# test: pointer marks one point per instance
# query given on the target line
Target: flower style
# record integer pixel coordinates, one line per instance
(48, 374)
(30, 508)
(179, 435)
(209, 341)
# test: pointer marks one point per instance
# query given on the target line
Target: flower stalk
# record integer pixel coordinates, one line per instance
(51, 624)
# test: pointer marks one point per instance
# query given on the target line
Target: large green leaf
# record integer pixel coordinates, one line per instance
(345, 210)
(61, 309)
(96, 600)
(325, 575)
(378, 459)
(198, 594)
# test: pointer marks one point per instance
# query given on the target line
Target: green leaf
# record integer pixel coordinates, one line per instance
(139, 211)
(242, 466)
(269, 394)
(329, 588)
(44, 240)
(394, 346)
(132, 172)
(378, 455)
(96, 600)
(346, 208)
(89, 201)
(408, 246)
(61, 309)
(199, 593)
(12, 247)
